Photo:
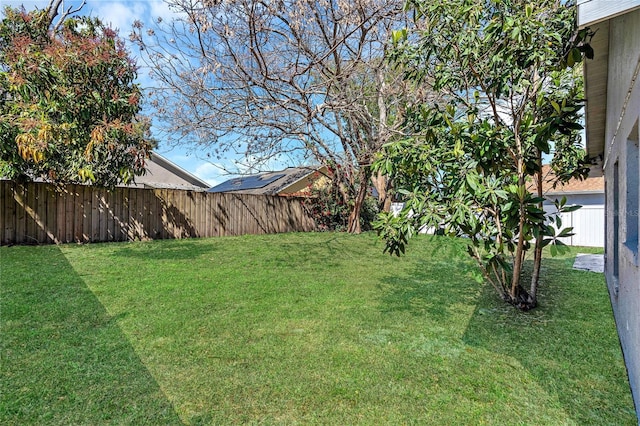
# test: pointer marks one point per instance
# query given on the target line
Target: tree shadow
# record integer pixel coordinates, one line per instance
(427, 288)
(65, 360)
(169, 249)
(568, 344)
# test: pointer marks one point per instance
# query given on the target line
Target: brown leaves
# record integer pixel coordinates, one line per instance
(71, 113)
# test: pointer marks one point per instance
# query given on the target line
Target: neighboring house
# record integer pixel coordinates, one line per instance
(164, 174)
(612, 89)
(588, 221)
(293, 181)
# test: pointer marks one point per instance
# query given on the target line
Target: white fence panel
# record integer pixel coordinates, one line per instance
(587, 223)
(588, 226)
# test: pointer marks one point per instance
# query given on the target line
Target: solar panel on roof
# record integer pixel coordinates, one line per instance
(245, 183)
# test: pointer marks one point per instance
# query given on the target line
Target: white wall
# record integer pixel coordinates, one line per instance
(587, 222)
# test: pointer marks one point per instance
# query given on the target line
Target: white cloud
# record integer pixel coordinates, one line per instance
(119, 15)
(212, 173)
(160, 9)
(254, 164)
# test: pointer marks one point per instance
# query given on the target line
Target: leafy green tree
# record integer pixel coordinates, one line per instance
(69, 105)
(510, 94)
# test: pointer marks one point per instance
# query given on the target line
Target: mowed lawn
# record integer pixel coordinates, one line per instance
(298, 329)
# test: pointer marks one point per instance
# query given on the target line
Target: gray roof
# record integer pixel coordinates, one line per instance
(266, 183)
(165, 174)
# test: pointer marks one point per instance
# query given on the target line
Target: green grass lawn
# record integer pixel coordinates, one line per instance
(298, 329)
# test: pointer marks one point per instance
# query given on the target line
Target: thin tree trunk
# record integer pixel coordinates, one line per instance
(537, 254)
(517, 262)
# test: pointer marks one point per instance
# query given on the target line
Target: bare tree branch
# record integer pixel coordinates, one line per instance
(53, 9)
(302, 77)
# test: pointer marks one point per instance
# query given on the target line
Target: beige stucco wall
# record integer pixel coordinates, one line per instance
(315, 180)
(623, 112)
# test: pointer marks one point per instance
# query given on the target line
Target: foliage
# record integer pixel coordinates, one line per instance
(331, 213)
(68, 102)
(327, 207)
(300, 328)
(475, 163)
(292, 80)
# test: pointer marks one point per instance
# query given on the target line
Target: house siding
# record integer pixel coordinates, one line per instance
(621, 136)
(162, 173)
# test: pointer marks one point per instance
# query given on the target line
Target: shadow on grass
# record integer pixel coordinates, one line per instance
(568, 344)
(64, 359)
(441, 279)
(328, 252)
(180, 249)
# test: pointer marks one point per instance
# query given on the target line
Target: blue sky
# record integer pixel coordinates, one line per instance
(121, 14)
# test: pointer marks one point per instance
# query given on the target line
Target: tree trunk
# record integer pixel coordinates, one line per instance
(380, 182)
(537, 254)
(354, 217)
(518, 295)
(517, 263)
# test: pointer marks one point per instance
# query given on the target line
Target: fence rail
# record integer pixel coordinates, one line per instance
(41, 213)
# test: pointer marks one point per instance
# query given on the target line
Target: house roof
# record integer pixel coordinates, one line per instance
(267, 183)
(594, 11)
(165, 174)
(594, 184)
(596, 15)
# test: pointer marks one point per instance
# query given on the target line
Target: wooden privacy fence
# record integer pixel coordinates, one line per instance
(41, 213)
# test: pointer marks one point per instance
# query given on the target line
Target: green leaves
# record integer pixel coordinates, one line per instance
(72, 109)
(398, 36)
(502, 67)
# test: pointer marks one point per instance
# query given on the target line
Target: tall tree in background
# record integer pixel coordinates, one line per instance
(269, 79)
(505, 68)
(68, 102)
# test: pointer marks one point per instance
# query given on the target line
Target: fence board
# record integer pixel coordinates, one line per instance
(51, 216)
(100, 231)
(198, 214)
(122, 211)
(164, 214)
(94, 234)
(118, 208)
(111, 222)
(59, 199)
(78, 207)
(152, 210)
(21, 213)
(68, 219)
(42, 213)
(30, 199)
(8, 213)
(39, 213)
(132, 216)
